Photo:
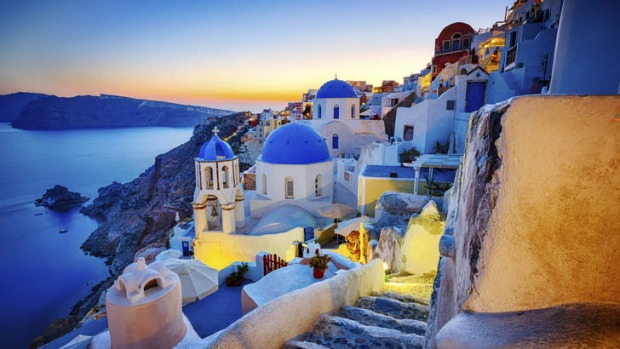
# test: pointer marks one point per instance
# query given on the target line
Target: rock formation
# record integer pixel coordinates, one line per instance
(56, 113)
(395, 209)
(59, 198)
(523, 260)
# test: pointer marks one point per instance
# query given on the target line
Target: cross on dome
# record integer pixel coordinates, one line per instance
(216, 131)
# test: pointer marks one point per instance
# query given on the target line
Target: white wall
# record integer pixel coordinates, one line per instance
(271, 325)
(586, 52)
(430, 119)
(327, 108)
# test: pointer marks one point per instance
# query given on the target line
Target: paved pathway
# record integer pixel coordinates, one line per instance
(217, 311)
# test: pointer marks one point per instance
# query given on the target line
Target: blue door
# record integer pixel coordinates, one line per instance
(475, 95)
(185, 248)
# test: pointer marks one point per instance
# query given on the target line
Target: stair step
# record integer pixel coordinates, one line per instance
(370, 318)
(405, 298)
(394, 308)
(294, 344)
(338, 332)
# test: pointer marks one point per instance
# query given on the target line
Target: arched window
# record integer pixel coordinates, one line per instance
(318, 184)
(289, 187)
(353, 111)
(209, 175)
(318, 113)
(225, 177)
(264, 180)
(335, 141)
(456, 41)
(336, 112)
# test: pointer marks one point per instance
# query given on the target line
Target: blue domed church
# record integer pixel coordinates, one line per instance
(296, 168)
(335, 115)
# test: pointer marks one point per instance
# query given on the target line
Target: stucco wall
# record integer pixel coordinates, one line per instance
(303, 179)
(584, 49)
(430, 119)
(270, 325)
(552, 235)
(219, 250)
(370, 190)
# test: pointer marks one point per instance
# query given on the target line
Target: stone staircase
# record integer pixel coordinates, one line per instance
(383, 320)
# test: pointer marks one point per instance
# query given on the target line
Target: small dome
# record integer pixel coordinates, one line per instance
(295, 144)
(215, 150)
(282, 219)
(336, 89)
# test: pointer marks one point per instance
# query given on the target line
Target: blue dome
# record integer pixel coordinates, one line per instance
(216, 149)
(295, 144)
(336, 89)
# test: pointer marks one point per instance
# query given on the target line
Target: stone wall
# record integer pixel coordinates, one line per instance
(534, 222)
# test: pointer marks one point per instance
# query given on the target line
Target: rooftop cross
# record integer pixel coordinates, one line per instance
(216, 131)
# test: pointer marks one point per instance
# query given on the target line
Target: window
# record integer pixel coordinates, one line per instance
(318, 183)
(353, 111)
(466, 43)
(225, 176)
(288, 188)
(456, 45)
(408, 133)
(209, 174)
(336, 112)
(318, 112)
(450, 104)
(456, 41)
(446, 45)
(335, 141)
(264, 180)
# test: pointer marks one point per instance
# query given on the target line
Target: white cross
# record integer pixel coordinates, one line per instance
(216, 130)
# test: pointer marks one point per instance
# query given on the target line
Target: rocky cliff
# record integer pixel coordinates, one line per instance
(136, 214)
(12, 105)
(55, 113)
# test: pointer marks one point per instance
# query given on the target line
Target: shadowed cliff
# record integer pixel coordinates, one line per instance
(136, 214)
(105, 111)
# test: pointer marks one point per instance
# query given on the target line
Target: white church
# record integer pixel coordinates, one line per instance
(336, 117)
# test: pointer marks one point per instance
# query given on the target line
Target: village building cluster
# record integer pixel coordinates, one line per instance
(332, 172)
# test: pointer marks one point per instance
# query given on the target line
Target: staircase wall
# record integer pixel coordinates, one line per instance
(270, 325)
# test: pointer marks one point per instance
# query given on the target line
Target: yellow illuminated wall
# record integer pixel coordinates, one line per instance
(370, 189)
(219, 250)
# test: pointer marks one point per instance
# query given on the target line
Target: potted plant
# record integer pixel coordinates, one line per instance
(236, 277)
(409, 155)
(319, 264)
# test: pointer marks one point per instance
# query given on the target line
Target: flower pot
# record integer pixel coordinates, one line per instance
(318, 273)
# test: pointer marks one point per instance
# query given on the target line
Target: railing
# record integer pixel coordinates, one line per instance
(272, 262)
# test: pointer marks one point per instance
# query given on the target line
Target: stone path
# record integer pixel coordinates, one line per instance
(384, 320)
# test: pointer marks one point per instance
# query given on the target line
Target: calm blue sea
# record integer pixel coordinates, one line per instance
(42, 272)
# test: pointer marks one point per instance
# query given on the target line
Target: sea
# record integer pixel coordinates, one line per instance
(43, 271)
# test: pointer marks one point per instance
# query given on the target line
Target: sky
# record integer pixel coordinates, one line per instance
(228, 54)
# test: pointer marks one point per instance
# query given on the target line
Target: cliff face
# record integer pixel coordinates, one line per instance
(12, 105)
(135, 214)
(54, 113)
